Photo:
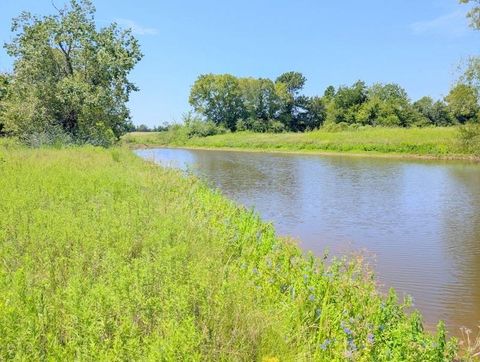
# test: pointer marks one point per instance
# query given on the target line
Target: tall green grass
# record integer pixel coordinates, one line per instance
(433, 142)
(106, 257)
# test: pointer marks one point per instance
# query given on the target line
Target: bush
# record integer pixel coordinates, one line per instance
(469, 137)
(276, 126)
(198, 128)
(54, 136)
(260, 125)
(335, 127)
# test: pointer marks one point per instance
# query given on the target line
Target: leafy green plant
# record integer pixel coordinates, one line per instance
(469, 137)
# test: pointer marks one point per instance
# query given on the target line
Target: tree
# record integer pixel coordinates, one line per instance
(4, 86)
(474, 13)
(259, 98)
(472, 72)
(388, 105)
(314, 115)
(69, 76)
(290, 84)
(329, 92)
(346, 103)
(463, 103)
(294, 81)
(218, 98)
(434, 113)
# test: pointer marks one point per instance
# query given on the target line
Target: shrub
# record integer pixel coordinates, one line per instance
(199, 128)
(335, 127)
(469, 137)
(276, 126)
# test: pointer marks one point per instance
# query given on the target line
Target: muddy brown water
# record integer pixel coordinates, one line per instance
(418, 222)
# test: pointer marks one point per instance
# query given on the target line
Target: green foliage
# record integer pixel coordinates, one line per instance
(260, 105)
(434, 113)
(107, 257)
(463, 103)
(474, 13)
(70, 75)
(4, 88)
(259, 98)
(469, 137)
(294, 112)
(218, 98)
(197, 128)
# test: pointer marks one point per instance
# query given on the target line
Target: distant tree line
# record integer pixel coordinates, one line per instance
(144, 128)
(264, 105)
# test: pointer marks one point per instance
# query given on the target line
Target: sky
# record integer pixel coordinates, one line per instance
(417, 44)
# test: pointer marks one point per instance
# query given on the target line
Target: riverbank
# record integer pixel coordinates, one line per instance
(423, 143)
(105, 256)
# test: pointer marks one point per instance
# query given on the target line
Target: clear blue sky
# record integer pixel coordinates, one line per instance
(416, 43)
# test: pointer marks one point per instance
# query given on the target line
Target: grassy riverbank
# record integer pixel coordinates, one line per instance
(106, 257)
(438, 142)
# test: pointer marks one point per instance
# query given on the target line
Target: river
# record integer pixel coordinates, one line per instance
(417, 222)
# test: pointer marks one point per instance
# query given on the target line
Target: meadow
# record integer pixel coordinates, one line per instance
(104, 256)
(430, 142)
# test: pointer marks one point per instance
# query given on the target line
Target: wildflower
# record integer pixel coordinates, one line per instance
(348, 354)
(325, 344)
(311, 298)
(318, 312)
(370, 338)
(347, 330)
(255, 271)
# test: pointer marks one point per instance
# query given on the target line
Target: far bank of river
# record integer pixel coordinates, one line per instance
(440, 143)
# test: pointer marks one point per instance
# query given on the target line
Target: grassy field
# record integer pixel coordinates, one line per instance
(439, 142)
(104, 256)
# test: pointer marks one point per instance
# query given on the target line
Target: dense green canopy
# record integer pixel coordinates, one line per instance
(69, 78)
(263, 105)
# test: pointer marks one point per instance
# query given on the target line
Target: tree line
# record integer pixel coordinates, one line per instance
(265, 105)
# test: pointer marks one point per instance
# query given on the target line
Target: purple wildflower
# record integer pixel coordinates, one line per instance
(370, 338)
(325, 344)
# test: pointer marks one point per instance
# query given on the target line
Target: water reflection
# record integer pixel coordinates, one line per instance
(420, 219)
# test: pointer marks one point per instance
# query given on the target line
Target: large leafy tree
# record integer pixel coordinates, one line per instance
(387, 105)
(472, 73)
(346, 102)
(4, 86)
(289, 86)
(69, 76)
(314, 114)
(260, 98)
(463, 103)
(218, 98)
(434, 112)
